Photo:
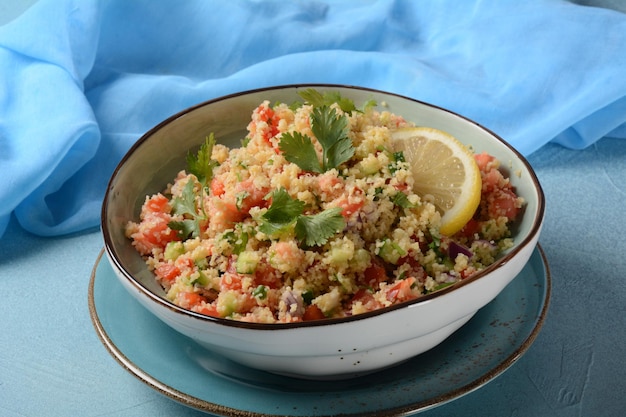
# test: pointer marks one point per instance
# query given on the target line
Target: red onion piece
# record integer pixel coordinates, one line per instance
(454, 249)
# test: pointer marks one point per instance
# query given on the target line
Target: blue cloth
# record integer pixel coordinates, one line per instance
(82, 80)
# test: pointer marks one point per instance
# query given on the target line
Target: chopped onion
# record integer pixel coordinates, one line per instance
(454, 249)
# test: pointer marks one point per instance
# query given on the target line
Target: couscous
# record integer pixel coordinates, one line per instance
(312, 217)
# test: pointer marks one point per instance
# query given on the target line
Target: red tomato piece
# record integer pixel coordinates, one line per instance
(374, 274)
(167, 272)
(217, 187)
(313, 312)
(401, 290)
(504, 203)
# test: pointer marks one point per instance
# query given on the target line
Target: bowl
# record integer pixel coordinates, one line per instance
(323, 349)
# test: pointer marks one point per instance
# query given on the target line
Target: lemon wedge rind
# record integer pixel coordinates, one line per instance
(444, 172)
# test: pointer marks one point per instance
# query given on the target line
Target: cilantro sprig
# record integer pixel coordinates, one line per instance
(328, 98)
(286, 212)
(201, 165)
(316, 229)
(329, 128)
(185, 205)
(331, 131)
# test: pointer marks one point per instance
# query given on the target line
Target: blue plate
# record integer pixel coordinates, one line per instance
(497, 336)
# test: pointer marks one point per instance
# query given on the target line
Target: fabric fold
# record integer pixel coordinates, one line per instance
(83, 80)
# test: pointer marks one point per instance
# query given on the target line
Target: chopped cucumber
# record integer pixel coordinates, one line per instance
(173, 250)
(340, 254)
(247, 262)
(391, 252)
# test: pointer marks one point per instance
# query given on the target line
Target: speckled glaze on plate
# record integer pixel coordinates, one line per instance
(495, 338)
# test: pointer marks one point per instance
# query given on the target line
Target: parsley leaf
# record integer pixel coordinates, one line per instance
(316, 229)
(239, 197)
(298, 149)
(185, 228)
(185, 205)
(401, 200)
(282, 213)
(201, 165)
(284, 209)
(311, 230)
(331, 130)
(317, 99)
(238, 241)
(368, 105)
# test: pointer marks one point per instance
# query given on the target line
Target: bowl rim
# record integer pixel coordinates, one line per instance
(112, 256)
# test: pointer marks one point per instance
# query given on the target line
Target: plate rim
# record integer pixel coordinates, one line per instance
(226, 411)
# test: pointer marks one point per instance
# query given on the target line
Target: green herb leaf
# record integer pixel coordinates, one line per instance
(317, 99)
(237, 240)
(185, 227)
(315, 230)
(368, 105)
(397, 158)
(201, 165)
(281, 214)
(185, 205)
(260, 292)
(312, 96)
(401, 200)
(239, 197)
(284, 209)
(298, 149)
(331, 131)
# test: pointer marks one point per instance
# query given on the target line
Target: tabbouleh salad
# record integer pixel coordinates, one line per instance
(312, 217)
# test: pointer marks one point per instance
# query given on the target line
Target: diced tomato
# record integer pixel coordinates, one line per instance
(223, 213)
(167, 272)
(471, 227)
(187, 299)
(330, 184)
(313, 312)
(184, 263)
(416, 270)
(493, 180)
(401, 290)
(158, 203)
(254, 196)
(266, 114)
(349, 208)
(367, 300)
(374, 274)
(467, 272)
(217, 187)
(403, 186)
(267, 275)
(230, 281)
(207, 310)
(504, 203)
(483, 160)
(153, 232)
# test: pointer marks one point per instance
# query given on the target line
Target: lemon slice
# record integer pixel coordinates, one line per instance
(444, 171)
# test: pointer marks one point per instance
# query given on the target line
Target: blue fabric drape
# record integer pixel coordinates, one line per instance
(82, 80)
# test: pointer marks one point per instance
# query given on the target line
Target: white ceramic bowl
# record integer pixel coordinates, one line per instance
(326, 349)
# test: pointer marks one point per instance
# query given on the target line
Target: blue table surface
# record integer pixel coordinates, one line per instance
(52, 362)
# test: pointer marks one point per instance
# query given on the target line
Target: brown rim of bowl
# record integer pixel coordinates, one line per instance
(537, 221)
